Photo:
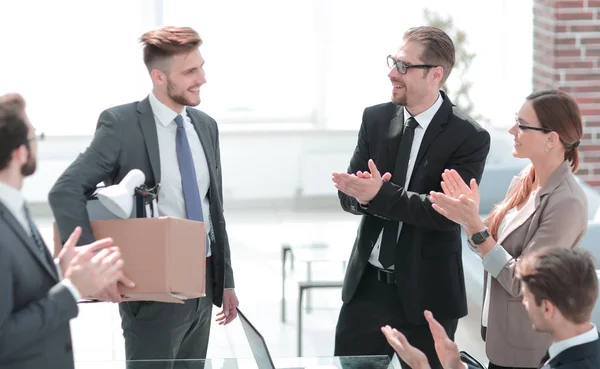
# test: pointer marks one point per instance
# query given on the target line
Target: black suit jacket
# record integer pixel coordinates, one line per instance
(586, 356)
(126, 139)
(35, 308)
(428, 264)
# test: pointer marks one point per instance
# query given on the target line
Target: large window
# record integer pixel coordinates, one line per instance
(260, 57)
(72, 59)
(313, 63)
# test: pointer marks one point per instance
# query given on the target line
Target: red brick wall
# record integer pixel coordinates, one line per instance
(566, 38)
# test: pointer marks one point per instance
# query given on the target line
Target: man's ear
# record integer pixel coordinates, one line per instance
(438, 74)
(159, 78)
(20, 155)
(548, 309)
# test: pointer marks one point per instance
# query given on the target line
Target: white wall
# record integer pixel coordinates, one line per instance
(257, 165)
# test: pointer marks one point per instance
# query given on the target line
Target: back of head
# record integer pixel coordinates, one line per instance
(163, 43)
(13, 128)
(558, 111)
(438, 48)
(565, 277)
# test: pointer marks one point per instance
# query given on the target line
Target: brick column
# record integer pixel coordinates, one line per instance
(566, 56)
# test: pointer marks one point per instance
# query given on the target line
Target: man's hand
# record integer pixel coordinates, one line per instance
(446, 349)
(109, 294)
(230, 304)
(363, 186)
(90, 270)
(411, 355)
(70, 249)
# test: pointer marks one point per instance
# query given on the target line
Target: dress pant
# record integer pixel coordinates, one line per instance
(494, 366)
(167, 331)
(375, 304)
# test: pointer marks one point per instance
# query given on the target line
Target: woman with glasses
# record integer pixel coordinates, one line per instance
(544, 207)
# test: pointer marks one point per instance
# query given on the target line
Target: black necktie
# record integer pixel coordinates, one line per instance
(37, 238)
(390, 227)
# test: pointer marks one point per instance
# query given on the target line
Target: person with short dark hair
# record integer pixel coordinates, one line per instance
(560, 290)
(38, 294)
(176, 146)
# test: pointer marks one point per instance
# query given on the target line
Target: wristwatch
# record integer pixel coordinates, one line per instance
(479, 237)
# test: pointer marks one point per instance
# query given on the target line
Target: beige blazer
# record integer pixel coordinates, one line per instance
(557, 218)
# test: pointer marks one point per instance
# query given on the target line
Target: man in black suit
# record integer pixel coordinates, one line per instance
(38, 295)
(407, 257)
(560, 289)
(177, 147)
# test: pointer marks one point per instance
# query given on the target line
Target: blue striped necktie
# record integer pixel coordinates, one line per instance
(189, 181)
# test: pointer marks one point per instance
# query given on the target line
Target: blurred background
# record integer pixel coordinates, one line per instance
(287, 83)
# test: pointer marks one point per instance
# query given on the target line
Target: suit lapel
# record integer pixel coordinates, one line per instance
(148, 127)
(435, 127)
(557, 177)
(27, 240)
(204, 135)
(394, 137)
(522, 215)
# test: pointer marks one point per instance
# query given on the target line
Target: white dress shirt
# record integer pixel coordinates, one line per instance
(170, 199)
(424, 119)
(560, 346)
(15, 202)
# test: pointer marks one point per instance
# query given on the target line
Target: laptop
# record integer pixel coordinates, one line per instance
(261, 352)
(257, 344)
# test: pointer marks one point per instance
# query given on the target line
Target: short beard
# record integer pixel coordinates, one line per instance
(30, 166)
(179, 99)
(399, 100)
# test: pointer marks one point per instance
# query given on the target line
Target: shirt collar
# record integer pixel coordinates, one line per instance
(11, 198)
(560, 346)
(427, 116)
(163, 113)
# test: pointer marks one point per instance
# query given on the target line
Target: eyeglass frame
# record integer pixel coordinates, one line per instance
(397, 64)
(524, 127)
(36, 137)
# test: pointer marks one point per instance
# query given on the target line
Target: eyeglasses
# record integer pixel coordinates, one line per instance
(403, 68)
(523, 127)
(36, 137)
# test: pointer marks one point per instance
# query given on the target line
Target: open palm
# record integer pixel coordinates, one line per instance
(453, 185)
(411, 355)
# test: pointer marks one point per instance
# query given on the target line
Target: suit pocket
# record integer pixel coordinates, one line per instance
(519, 331)
(438, 243)
(134, 307)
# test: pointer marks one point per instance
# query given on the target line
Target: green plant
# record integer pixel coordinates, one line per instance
(458, 86)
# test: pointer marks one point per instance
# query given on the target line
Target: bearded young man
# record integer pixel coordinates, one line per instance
(177, 147)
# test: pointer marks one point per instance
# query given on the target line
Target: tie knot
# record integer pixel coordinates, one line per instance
(412, 123)
(179, 121)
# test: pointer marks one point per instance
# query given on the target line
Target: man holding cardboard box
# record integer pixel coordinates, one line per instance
(177, 147)
(38, 295)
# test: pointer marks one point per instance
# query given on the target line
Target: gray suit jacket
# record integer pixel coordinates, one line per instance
(126, 139)
(34, 308)
(557, 218)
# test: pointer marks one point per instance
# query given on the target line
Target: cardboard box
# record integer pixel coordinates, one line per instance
(165, 256)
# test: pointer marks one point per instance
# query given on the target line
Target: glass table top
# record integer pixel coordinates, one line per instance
(347, 362)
